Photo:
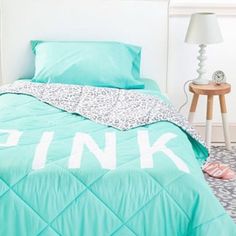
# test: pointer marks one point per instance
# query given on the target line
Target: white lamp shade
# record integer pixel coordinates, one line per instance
(203, 29)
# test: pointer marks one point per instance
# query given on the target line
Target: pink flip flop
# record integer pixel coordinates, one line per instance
(219, 170)
(229, 175)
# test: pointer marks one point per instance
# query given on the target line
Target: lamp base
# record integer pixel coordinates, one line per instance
(200, 81)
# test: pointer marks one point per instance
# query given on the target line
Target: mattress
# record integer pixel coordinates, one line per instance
(76, 192)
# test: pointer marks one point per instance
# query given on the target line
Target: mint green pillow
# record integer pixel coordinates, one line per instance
(102, 64)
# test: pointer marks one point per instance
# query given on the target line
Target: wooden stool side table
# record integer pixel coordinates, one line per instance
(211, 90)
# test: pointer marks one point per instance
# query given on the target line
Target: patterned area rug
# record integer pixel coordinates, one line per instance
(224, 190)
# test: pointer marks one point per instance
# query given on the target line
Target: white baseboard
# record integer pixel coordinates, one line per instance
(217, 132)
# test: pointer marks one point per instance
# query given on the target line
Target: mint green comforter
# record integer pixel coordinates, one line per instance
(130, 199)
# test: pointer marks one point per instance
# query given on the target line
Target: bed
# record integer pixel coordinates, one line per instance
(66, 171)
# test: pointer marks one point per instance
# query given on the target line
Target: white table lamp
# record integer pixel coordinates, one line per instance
(203, 29)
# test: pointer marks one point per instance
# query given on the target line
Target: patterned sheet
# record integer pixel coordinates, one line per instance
(119, 108)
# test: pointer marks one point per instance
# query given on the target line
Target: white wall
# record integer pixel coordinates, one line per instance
(203, 1)
(182, 57)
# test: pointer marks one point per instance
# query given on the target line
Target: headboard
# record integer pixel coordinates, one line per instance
(139, 22)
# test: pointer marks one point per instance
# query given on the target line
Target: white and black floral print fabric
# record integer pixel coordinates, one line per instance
(121, 109)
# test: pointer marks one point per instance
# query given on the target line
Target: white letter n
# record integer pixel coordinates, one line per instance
(147, 151)
(107, 158)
